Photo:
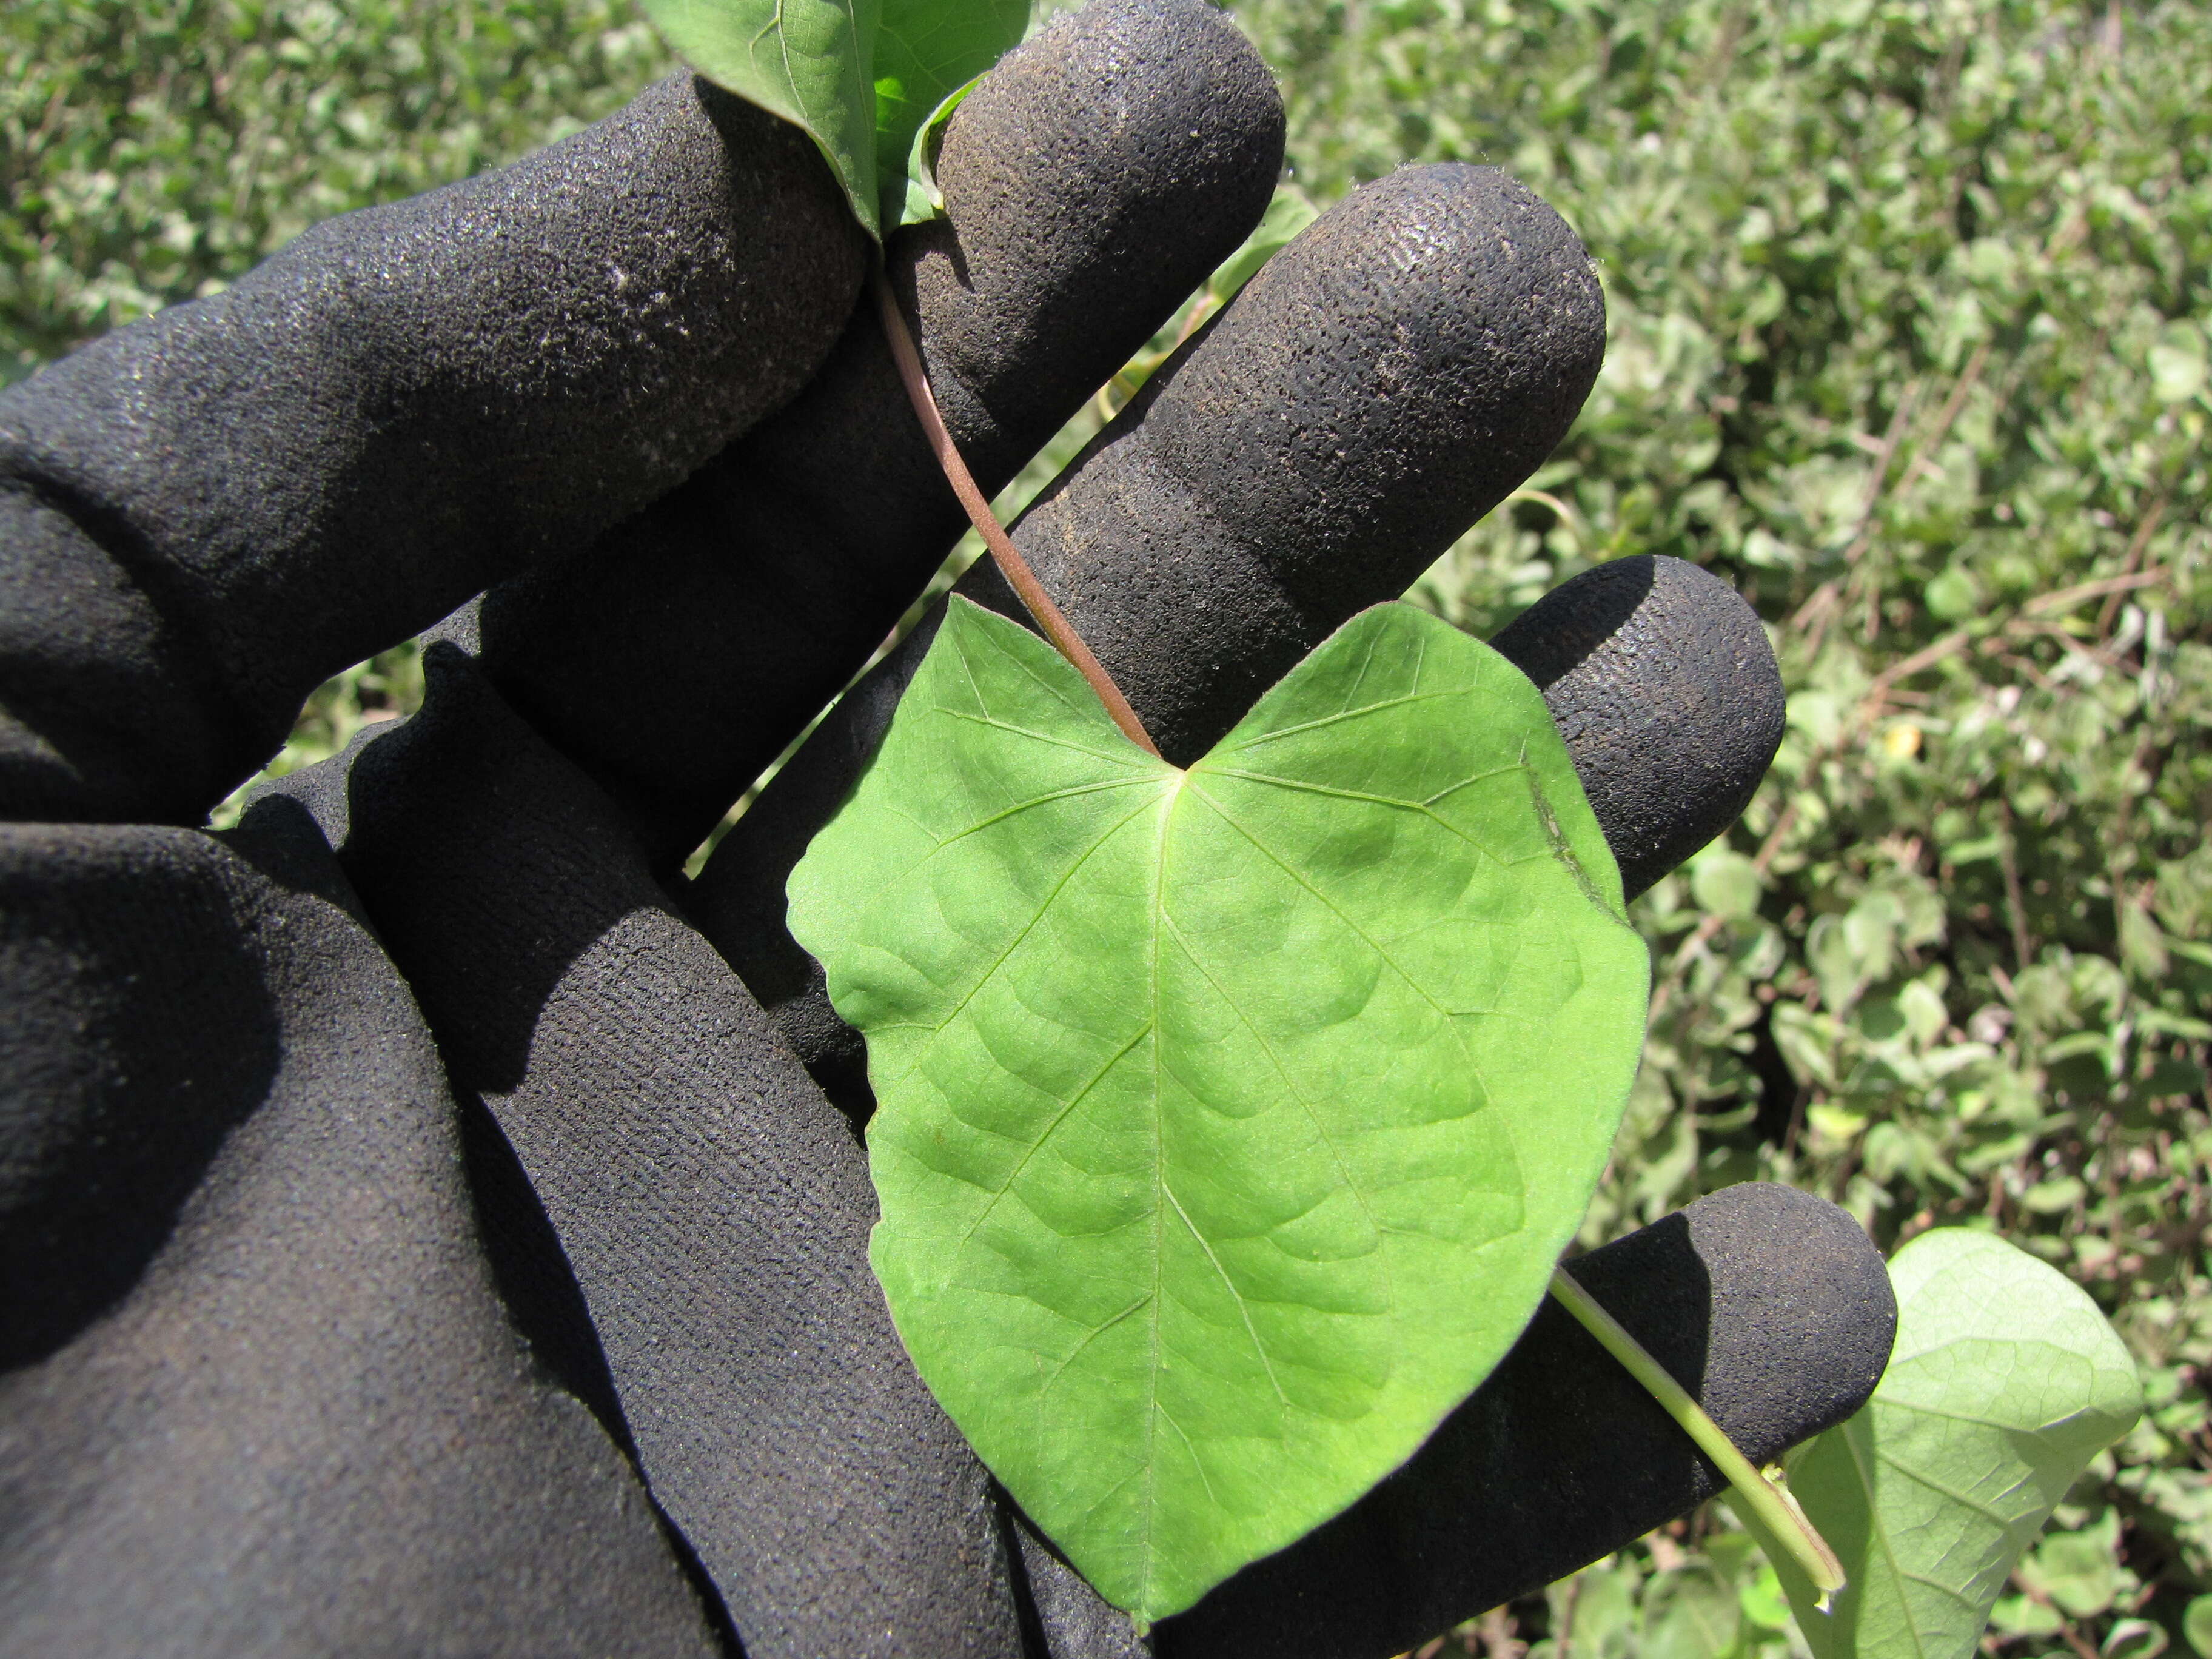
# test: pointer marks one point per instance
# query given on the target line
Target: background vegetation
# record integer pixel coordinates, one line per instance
(1908, 342)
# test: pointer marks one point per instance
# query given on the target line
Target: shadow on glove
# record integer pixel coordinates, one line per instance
(260, 1394)
(1769, 1305)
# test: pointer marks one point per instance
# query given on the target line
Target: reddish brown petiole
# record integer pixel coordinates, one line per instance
(1011, 565)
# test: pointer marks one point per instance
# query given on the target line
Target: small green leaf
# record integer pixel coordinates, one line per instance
(1691, 1614)
(2079, 1571)
(2018, 1615)
(928, 51)
(859, 75)
(2197, 1625)
(923, 200)
(1230, 1120)
(1953, 594)
(2178, 362)
(1726, 883)
(2135, 1638)
(1764, 1604)
(2005, 1381)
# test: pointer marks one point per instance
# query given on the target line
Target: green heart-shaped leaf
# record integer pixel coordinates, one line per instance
(859, 75)
(1230, 1120)
(2004, 1383)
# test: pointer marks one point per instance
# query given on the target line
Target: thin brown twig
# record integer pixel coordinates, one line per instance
(2015, 903)
(1968, 377)
(1501, 1637)
(1878, 479)
(2067, 1628)
(2065, 599)
(1812, 617)
(1862, 537)
(1860, 578)
(1904, 668)
(2033, 627)
(1014, 567)
(1202, 309)
(1563, 1643)
(2136, 546)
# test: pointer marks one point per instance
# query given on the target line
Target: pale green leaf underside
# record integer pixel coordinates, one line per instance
(859, 75)
(2005, 1381)
(1230, 1122)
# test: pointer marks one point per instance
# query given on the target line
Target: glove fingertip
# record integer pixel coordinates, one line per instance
(1770, 1305)
(1661, 678)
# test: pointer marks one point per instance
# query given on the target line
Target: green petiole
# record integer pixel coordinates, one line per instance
(1768, 1501)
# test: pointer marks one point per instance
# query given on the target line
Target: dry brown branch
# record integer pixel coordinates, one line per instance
(2015, 905)
(1878, 476)
(2065, 599)
(1968, 378)
(2138, 545)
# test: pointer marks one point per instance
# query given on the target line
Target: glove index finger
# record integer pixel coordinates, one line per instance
(211, 511)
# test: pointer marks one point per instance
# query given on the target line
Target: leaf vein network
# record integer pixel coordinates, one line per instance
(1423, 807)
(1027, 929)
(1948, 1591)
(1340, 715)
(1290, 1085)
(1089, 1337)
(1244, 1307)
(1920, 1479)
(1197, 1462)
(1854, 1432)
(1133, 759)
(1019, 807)
(1890, 1403)
(1059, 1118)
(1451, 1019)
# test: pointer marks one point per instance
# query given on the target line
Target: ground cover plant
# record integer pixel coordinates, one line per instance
(1951, 968)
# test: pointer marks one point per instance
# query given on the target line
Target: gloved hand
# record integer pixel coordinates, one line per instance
(413, 1235)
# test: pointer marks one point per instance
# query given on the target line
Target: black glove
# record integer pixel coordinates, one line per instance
(558, 1335)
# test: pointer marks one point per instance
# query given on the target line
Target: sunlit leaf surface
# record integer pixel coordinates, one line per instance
(1230, 1120)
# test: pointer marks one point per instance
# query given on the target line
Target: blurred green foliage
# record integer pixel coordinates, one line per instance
(1908, 342)
(151, 151)
(1909, 318)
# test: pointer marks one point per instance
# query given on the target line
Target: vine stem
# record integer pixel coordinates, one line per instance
(1768, 1501)
(1014, 567)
